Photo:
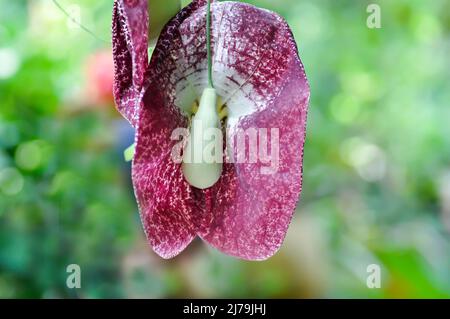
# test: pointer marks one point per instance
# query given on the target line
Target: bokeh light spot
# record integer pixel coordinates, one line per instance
(344, 108)
(367, 159)
(29, 155)
(11, 181)
(9, 63)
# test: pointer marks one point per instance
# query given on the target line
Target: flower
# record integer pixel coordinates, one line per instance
(261, 83)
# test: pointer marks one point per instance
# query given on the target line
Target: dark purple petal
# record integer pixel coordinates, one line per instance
(168, 205)
(258, 72)
(130, 53)
(252, 211)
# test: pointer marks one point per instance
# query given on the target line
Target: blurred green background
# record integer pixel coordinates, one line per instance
(376, 171)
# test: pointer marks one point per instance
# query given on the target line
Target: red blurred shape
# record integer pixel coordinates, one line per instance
(99, 78)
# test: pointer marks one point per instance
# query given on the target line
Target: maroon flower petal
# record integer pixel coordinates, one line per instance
(168, 205)
(130, 53)
(258, 71)
(252, 211)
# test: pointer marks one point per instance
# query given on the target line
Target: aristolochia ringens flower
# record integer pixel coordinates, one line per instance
(242, 205)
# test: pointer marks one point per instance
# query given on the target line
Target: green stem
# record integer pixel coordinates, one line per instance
(208, 44)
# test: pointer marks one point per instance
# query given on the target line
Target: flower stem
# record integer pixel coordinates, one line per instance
(208, 44)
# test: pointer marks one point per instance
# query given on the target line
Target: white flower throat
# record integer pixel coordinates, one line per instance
(203, 154)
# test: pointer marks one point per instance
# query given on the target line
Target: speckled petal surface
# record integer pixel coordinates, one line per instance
(252, 211)
(257, 71)
(169, 207)
(130, 53)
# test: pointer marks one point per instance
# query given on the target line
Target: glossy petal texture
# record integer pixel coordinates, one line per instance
(257, 71)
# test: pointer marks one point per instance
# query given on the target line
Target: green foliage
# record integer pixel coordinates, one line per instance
(376, 171)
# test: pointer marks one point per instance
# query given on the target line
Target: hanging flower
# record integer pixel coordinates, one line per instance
(253, 88)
